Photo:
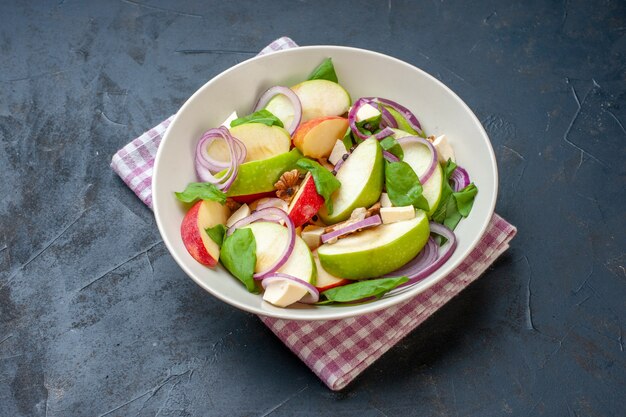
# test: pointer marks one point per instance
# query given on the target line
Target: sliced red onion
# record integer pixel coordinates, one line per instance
(313, 295)
(293, 98)
(428, 260)
(406, 113)
(276, 215)
(459, 179)
(386, 132)
(362, 224)
(207, 167)
(424, 176)
(390, 157)
(387, 119)
(339, 164)
(268, 202)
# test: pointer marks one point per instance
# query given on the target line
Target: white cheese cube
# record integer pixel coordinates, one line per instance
(339, 150)
(444, 150)
(312, 236)
(385, 201)
(396, 214)
(240, 213)
(229, 119)
(367, 111)
(283, 293)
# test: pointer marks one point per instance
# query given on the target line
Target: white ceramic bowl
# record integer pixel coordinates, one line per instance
(362, 73)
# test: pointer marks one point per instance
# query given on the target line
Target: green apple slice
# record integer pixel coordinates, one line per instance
(271, 239)
(261, 142)
(320, 98)
(419, 158)
(376, 251)
(281, 107)
(402, 123)
(361, 177)
(260, 176)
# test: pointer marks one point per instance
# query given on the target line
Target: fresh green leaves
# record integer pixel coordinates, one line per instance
(347, 140)
(453, 206)
(262, 116)
(392, 146)
(363, 289)
(325, 182)
(238, 255)
(201, 191)
(403, 186)
(216, 233)
(324, 71)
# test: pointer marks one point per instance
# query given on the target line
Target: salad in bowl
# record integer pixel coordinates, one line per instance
(288, 167)
(316, 197)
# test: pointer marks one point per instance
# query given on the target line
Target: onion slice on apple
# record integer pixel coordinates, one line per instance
(313, 295)
(406, 113)
(352, 227)
(390, 157)
(271, 214)
(293, 98)
(429, 259)
(459, 179)
(424, 176)
(207, 167)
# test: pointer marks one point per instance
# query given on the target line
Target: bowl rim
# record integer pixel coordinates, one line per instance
(340, 312)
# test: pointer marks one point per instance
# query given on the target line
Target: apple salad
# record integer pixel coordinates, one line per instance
(312, 198)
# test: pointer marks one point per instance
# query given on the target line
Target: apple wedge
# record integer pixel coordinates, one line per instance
(202, 215)
(376, 251)
(317, 137)
(325, 281)
(361, 177)
(306, 203)
(418, 157)
(261, 142)
(270, 240)
(258, 177)
(321, 98)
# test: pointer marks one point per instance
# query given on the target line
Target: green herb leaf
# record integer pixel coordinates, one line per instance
(238, 255)
(325, 182)
(453, 206)
(363, 289)
(347, 140)
(392, 146)
(216, 233)
(403, 186)
(201, 191)
(262, 116)
(324, 71)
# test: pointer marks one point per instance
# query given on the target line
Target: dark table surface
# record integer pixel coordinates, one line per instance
(541, 333)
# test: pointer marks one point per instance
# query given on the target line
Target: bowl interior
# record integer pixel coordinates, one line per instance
(362, 73)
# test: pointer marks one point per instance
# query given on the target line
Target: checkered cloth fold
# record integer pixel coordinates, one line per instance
(337, 350)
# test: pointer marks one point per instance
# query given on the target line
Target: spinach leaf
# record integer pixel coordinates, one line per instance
(392, 146)
(216, 233)
(363, 289)
(453, 206)
(238, 255)
(403, 186)
(325, 182)
(324, 71)
(347, 140)
(262, 116)
(201, 191)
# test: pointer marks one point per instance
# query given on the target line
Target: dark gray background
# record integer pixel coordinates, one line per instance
(541, 333)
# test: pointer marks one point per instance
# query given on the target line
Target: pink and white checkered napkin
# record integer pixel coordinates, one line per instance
(337, 350)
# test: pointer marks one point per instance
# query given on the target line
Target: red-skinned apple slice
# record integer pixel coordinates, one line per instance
(306, 203)
(325, 281)
(202, 215)
(317, 137)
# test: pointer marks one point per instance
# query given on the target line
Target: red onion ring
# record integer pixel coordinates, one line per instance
(207, 167)
(276, 215)
(368, 222)
(406, 113)
(293, 98)
(424, 176)
(313, 295)
(339, 164)
(459, 179)
(390, 157)
(387, 120)
(428, 260)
